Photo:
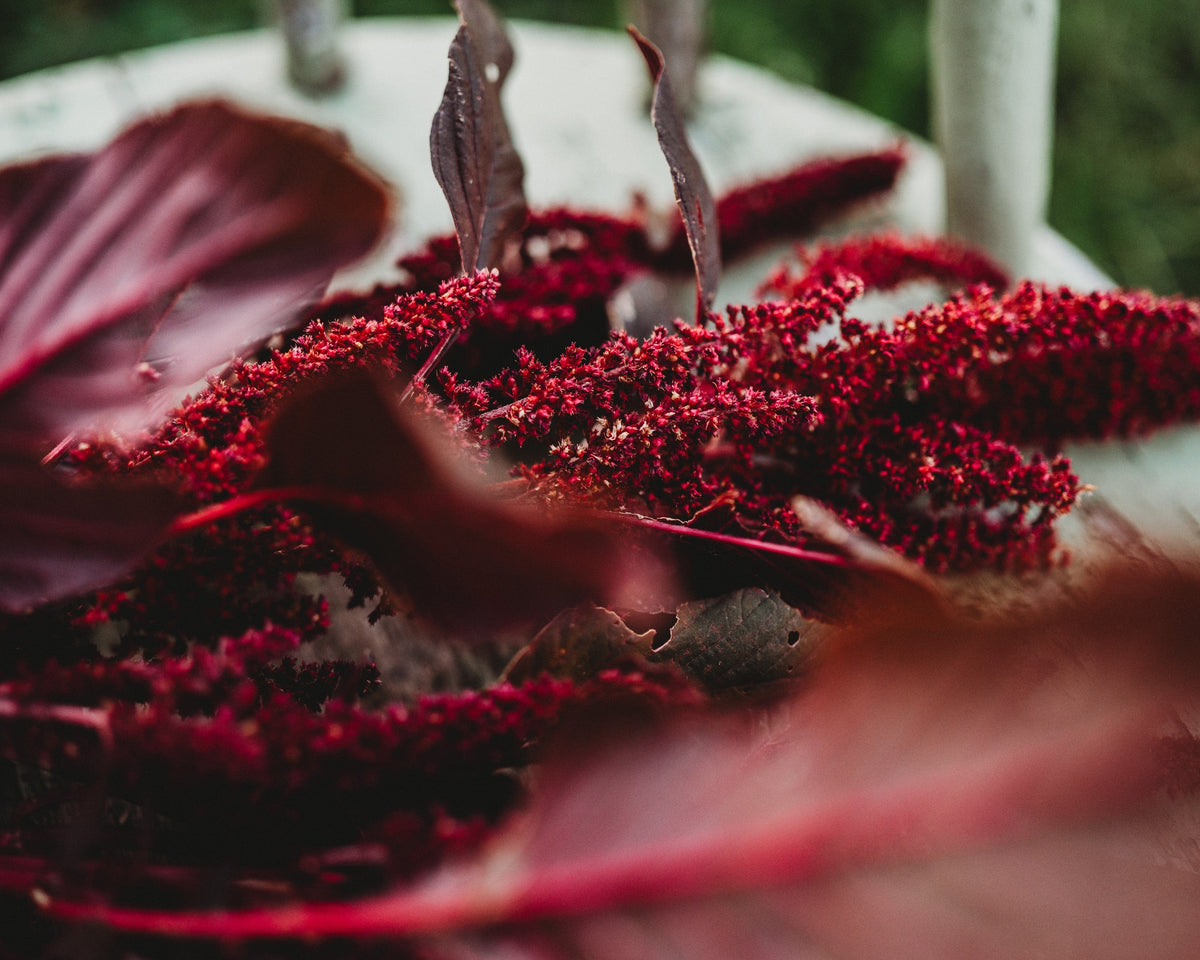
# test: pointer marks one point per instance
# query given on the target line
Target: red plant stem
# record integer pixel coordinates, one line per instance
(59, 447)
(259, 498)
(761, 546)
(21, 874)
(431, 361)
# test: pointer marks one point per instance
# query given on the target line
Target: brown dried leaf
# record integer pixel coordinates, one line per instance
(743, 639)
(578, 644)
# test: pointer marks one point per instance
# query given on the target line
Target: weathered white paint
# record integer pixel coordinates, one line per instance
(993, 91)
(310, 33)
(680, 30)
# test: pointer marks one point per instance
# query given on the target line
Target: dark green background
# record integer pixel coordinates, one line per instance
(1127, 152)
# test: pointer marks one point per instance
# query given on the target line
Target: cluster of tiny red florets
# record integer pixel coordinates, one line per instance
(292, 762)
(883, 262)
(559, 279)
(627, 424)
(908, 431)
(236, 574)
(250, 668)
(800, 201)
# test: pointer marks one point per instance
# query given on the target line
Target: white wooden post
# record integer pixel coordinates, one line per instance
(310, 33)
(993, 92)
(679, 28)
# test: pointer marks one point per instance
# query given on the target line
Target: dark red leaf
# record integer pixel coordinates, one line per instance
(25, 190)
(62, 538)
(133, 271)
(126, 275)
(695, 200)
(940, 791)
(474, 160)
(379, 479)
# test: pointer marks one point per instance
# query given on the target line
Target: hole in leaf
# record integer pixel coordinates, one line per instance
(793, 638)
(660, 623)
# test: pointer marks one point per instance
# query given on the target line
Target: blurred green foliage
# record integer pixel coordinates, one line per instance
(1127, 154)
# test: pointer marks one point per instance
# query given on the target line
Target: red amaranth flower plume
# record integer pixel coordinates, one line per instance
(187, 736)
(908, 432)
(884, 262)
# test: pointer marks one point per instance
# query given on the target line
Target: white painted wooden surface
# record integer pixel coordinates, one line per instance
(574, 102)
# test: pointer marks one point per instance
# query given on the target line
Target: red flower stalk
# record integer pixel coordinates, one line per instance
(275, 764)
(884, 262)
(804, 199)
(908, 432)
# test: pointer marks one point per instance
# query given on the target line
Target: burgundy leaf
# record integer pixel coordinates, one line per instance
(62, 538)
(474, 160)
(383, 482)
(133, 271)
(940, 791)
(28, 188)
(692, 194)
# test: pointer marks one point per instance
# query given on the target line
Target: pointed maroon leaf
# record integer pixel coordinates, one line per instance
(127, 274)
(474, 160)
(941, 791)
(506, 207)
(489, 37)
(695, 199)
(382, 481)
(131, 272)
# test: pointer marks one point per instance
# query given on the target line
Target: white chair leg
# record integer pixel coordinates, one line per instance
(680, 29)
(310, 32)
(993, 92)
